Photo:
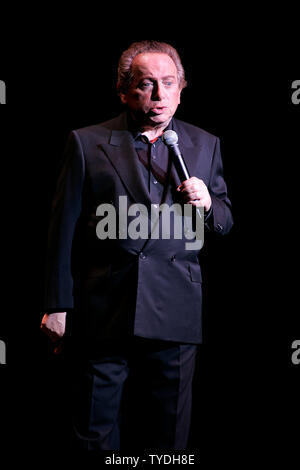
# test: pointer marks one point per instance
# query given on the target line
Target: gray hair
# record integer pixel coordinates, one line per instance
(125, 75)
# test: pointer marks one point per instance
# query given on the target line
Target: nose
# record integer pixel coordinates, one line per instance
(157, 92)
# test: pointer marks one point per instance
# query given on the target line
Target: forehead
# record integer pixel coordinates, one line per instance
(153, 65)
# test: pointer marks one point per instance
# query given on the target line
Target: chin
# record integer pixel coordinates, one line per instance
(160, 119)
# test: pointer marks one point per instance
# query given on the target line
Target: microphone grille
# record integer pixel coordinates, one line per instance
(170, 137)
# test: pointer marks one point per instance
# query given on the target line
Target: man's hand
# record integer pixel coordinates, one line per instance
(195, 192)
(54, 325)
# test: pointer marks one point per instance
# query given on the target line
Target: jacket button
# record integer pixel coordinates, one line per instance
(173, 258)
(219, 227)
(142, 255)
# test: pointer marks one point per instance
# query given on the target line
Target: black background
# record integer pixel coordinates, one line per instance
(246, 387)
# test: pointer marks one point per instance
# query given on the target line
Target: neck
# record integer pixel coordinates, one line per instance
(153, 133)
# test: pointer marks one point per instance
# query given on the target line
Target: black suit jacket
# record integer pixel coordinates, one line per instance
(151, 288)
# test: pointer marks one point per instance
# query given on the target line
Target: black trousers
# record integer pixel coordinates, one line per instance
(135, 394)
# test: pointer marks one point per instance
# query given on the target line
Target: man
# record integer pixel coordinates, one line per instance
(133, 303)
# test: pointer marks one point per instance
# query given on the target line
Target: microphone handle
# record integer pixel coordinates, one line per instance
(181, 169)
(179, 163)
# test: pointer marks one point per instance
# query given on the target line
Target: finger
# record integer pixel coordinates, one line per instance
(54, 338)
(182, 185)
(59, 348)
(186, 184)
(46, 330)
(192, 187)
(193, 180)
(197, 203)
(51, 334)
(193, 195)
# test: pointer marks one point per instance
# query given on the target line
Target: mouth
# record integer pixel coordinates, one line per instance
(158, 109)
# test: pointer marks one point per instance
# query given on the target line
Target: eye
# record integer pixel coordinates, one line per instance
(168, 83)
(145, 85)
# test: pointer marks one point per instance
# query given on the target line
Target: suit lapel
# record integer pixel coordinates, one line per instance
(123, 156)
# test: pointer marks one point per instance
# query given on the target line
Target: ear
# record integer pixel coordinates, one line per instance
(179, 96)
(123, 98)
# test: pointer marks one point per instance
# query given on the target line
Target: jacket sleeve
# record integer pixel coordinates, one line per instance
(220, 217)
(65, 212)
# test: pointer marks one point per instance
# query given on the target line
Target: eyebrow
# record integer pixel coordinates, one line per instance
(149, 77)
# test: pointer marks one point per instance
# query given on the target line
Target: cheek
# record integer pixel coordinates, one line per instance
(141, 98)
(175, 99)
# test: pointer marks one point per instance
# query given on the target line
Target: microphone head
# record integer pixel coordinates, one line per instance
(170, 137)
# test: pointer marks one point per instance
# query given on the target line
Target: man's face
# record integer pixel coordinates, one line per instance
(154, 93)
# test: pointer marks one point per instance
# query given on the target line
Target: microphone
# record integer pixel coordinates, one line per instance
(170, 138)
